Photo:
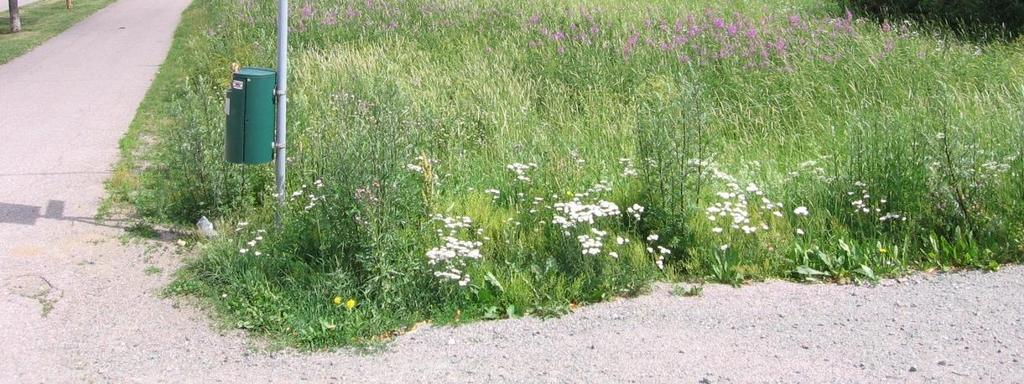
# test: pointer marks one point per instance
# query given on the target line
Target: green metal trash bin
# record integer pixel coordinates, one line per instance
(249, 137)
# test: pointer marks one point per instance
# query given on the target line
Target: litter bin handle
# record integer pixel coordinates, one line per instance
(227, 102)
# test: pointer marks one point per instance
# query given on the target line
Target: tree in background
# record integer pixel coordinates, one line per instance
(969, 16)
(15, 18)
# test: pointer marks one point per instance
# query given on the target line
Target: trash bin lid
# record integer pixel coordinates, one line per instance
(256, 72)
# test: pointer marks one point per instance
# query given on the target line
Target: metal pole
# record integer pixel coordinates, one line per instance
(282, 104)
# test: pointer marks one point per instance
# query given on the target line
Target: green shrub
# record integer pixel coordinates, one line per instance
(965, 15)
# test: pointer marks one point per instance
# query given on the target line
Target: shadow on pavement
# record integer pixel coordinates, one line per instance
(21, 214)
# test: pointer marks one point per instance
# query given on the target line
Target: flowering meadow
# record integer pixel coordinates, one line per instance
(454, 160)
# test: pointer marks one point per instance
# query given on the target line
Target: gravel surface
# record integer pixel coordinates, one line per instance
(76, 304)
(109, 325)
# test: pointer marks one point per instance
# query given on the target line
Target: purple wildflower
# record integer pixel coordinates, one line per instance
(307, 11)
(794, 21)
(331, 18)
(780, 46)
(630, 46)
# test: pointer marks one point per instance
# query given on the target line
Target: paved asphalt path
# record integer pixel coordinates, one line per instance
(21, 3)
(77, 306)
(63, 107)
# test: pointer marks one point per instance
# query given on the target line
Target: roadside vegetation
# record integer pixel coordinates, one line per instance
(41, 21)
(464, 160)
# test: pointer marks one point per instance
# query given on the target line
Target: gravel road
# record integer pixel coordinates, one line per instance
(108, 324)
(76, 303)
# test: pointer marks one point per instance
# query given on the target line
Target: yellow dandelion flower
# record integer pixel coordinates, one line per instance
(351, 303)
(337, 300)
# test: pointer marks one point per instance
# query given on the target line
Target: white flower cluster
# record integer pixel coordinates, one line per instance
(573, 213)
(420, 160)
(453, 253)
(735, 207)
(995, 167)
(251, 244)
(718, 174)
(452, 256)
(520, 170)
(452, 224)
(636, 210)
(891, 217)
(593, 242)
(313, 198)
(628, 169)
(738, 208)
(811, 168)
(576, 158)
(577, 214)
(495, 194)
(601, 186)
(658, 251)
(701, 167)
(863, 205)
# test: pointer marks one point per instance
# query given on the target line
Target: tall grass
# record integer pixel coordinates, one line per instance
(474, 159)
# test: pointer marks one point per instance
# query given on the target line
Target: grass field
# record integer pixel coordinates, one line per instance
(40, 21)
(461, 160)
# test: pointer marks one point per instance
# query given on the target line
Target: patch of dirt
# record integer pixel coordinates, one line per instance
(36, 288)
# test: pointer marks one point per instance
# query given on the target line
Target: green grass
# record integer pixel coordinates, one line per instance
(40, 21)
(842, 150)
(688, 291)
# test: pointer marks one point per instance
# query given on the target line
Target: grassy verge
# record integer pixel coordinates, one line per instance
(155, 113)
(475, 159)
(40, 21)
